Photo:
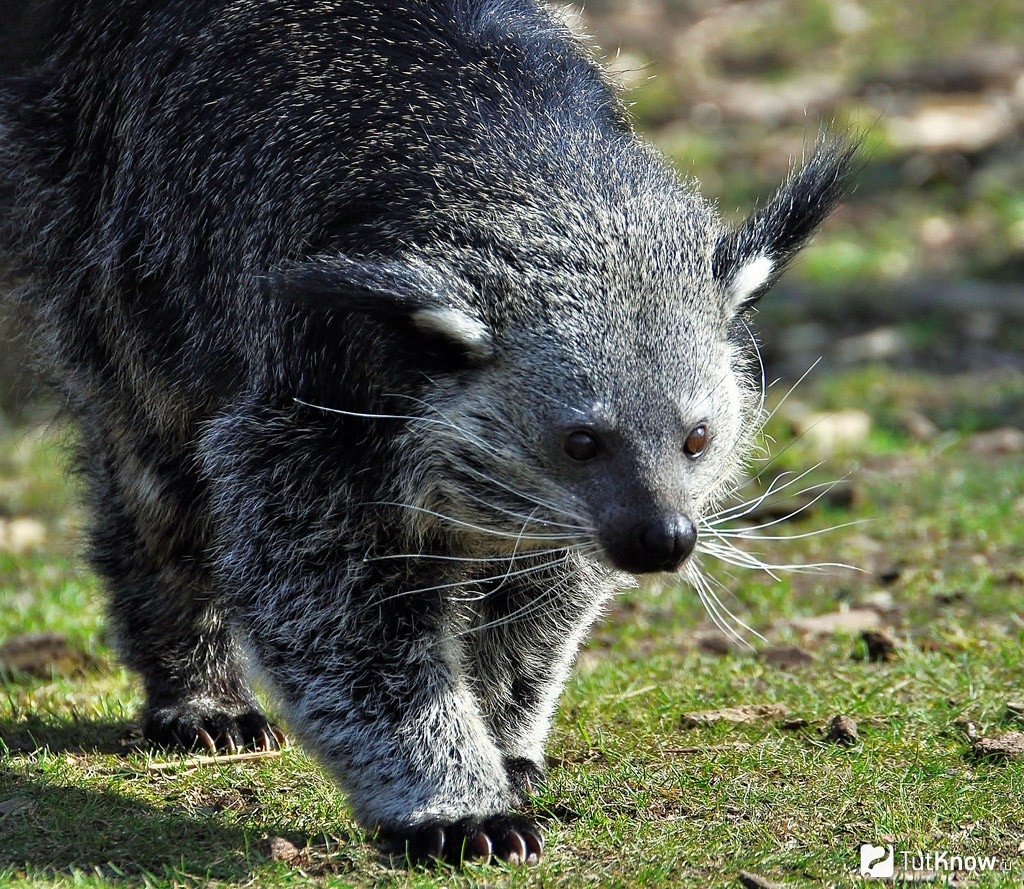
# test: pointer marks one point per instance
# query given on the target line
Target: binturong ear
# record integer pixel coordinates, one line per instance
(749, 260)
(409, 294)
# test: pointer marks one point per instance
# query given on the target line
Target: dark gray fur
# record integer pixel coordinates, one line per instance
(328, 286)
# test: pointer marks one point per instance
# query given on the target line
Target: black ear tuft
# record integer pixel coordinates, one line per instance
(749, 260)
(404, 293)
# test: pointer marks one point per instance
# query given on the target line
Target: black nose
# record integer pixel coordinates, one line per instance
(659, 545)
(664, 544)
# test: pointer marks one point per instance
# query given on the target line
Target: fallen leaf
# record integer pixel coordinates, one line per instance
(278, 849)
(751, 880)
(786, 656)
(713, 642)
(16, 805)
(1006, 745)
(997, 442)
(745, 713)
(881, 646)
(851, 621)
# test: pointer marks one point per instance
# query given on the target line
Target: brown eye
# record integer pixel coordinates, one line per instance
(581, 445)
(696, 441)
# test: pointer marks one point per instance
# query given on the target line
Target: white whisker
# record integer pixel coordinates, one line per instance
(476, 560)
(532, 606)
(740, 510)
(468, 581)
(710, 596)
(474, 527)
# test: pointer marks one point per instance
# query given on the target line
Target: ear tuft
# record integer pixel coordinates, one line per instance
(458, 328)
(749, 260)
(430, 303)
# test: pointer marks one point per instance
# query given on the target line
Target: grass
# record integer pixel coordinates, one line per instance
(634, 797)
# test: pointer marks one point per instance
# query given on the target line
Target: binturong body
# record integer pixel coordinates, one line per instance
(395, 353)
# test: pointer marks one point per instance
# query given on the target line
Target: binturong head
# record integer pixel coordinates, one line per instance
(575, 371)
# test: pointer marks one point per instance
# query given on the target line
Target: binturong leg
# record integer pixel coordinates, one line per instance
(523, 643)
(147, 542)
(361, 651)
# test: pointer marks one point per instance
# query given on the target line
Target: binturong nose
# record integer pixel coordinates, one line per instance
(662, 544)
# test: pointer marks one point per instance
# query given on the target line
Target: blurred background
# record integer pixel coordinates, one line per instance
(922, 269)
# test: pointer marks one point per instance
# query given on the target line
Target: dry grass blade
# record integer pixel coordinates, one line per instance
(197, 762)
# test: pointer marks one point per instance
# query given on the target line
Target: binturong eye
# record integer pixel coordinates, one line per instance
(581, 445)
(696, 441)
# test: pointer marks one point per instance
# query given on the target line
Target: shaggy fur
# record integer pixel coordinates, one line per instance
(393, 351)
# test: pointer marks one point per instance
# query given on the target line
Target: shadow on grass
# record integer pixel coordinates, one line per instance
(61, 736)
(54, 828)
(49, 826)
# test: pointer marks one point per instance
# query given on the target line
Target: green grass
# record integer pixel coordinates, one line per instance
(633, 797)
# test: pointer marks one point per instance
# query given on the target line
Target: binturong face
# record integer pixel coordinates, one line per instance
(601, 395)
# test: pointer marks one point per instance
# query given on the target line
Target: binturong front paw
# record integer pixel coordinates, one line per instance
(211, 729)
(512, 838)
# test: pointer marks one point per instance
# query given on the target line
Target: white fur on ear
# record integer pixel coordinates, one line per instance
(749, 278)
(461, 329)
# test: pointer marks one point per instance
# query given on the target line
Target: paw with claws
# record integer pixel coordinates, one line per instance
(511, 838)
(213, 731)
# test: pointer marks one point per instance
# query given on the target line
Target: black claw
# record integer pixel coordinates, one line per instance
(516, 839)
(213, 732)
(534, 845)
(509, 838)
(511, 847)
(422, 845)
(436, 841)
(477, 847)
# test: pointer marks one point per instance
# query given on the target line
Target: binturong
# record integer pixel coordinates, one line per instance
(395, 353)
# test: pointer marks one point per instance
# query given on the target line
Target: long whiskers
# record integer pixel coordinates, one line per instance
(469, 560)
(574, 524)
(501, 577)
(491, 532)
(720, 615)
(777, 485)
(718, 530)
(535, 605)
